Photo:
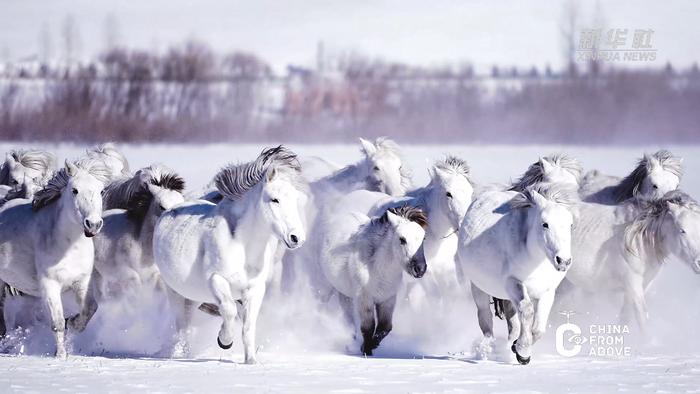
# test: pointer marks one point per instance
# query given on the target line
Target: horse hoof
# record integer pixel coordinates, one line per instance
(221, 345)
(522, 360)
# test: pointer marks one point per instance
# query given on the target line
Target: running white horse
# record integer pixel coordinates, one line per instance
(124, 248)
(46, 246)
(25, 172)
(381, 170)
(517, 246)
(363, 259)
(622, 248)
(444, 201)
(654, 176)
(222, 254)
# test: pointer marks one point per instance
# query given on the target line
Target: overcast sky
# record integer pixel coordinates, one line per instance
(507, 32)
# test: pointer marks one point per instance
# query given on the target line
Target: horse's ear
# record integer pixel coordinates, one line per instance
(537, 198)
(439, 172)
(368, 147)
(546, 166)
(393, 218)
(674, 208)
(71, 168)
(9, 159)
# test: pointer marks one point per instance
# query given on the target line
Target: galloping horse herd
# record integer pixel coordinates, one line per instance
(95, 228)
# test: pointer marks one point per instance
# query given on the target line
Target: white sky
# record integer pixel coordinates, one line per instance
(507, 32)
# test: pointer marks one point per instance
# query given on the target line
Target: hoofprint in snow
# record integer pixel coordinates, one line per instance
(432, 347)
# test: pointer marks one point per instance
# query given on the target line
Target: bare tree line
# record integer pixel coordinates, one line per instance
(191, 94)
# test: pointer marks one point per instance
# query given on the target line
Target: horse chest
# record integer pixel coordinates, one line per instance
(67, 265)
(540, 278)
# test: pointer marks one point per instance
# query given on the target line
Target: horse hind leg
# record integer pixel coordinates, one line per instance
(51, 294)
(221, 289)
(3, 292)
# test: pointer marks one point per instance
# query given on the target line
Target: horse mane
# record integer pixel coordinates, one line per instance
(35, 159)
(456, 165)
(235, 180)
(133, 194)
(554, 192)
(629, 186)
(109, 149)
(408, 212)
(535, 173)
(647, 227)
(52, 191)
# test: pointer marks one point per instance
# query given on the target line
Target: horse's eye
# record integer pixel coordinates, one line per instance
(162, 208)
(14, 182)
(655, 187)
(402, 240)
(274, 200)
(448, 194)
(376, 168)
(545, 225)
(682, 231)
(75, 191)
(102, 193)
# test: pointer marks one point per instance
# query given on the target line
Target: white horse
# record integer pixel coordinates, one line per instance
(381, 170)
(517, 246)
(25, 172)
(444, 201)
(622, 248)
(363, 259)
(46, 246)
(124, 248)
(112, 158)
(654, 176)
(222, 254)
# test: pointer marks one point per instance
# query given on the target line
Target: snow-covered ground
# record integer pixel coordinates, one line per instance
(433, 348)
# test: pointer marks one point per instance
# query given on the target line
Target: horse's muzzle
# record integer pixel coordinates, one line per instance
(417, 268)
(92, 228)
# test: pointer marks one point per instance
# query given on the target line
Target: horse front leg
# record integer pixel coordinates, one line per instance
(517, 292)
(85, 298)
(365, 309)
(511, 314)
(221, 288)
(483, 307)
(542, 309)
(51, 295)
(636, 301)
(252, 300)
(385, 313)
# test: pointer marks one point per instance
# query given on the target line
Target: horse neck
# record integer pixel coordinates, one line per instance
(349, 178)
(146, 232)
(439, 225)
(383, 261)
(246, 221)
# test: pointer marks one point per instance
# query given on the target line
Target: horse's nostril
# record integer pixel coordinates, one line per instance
(294, 238)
